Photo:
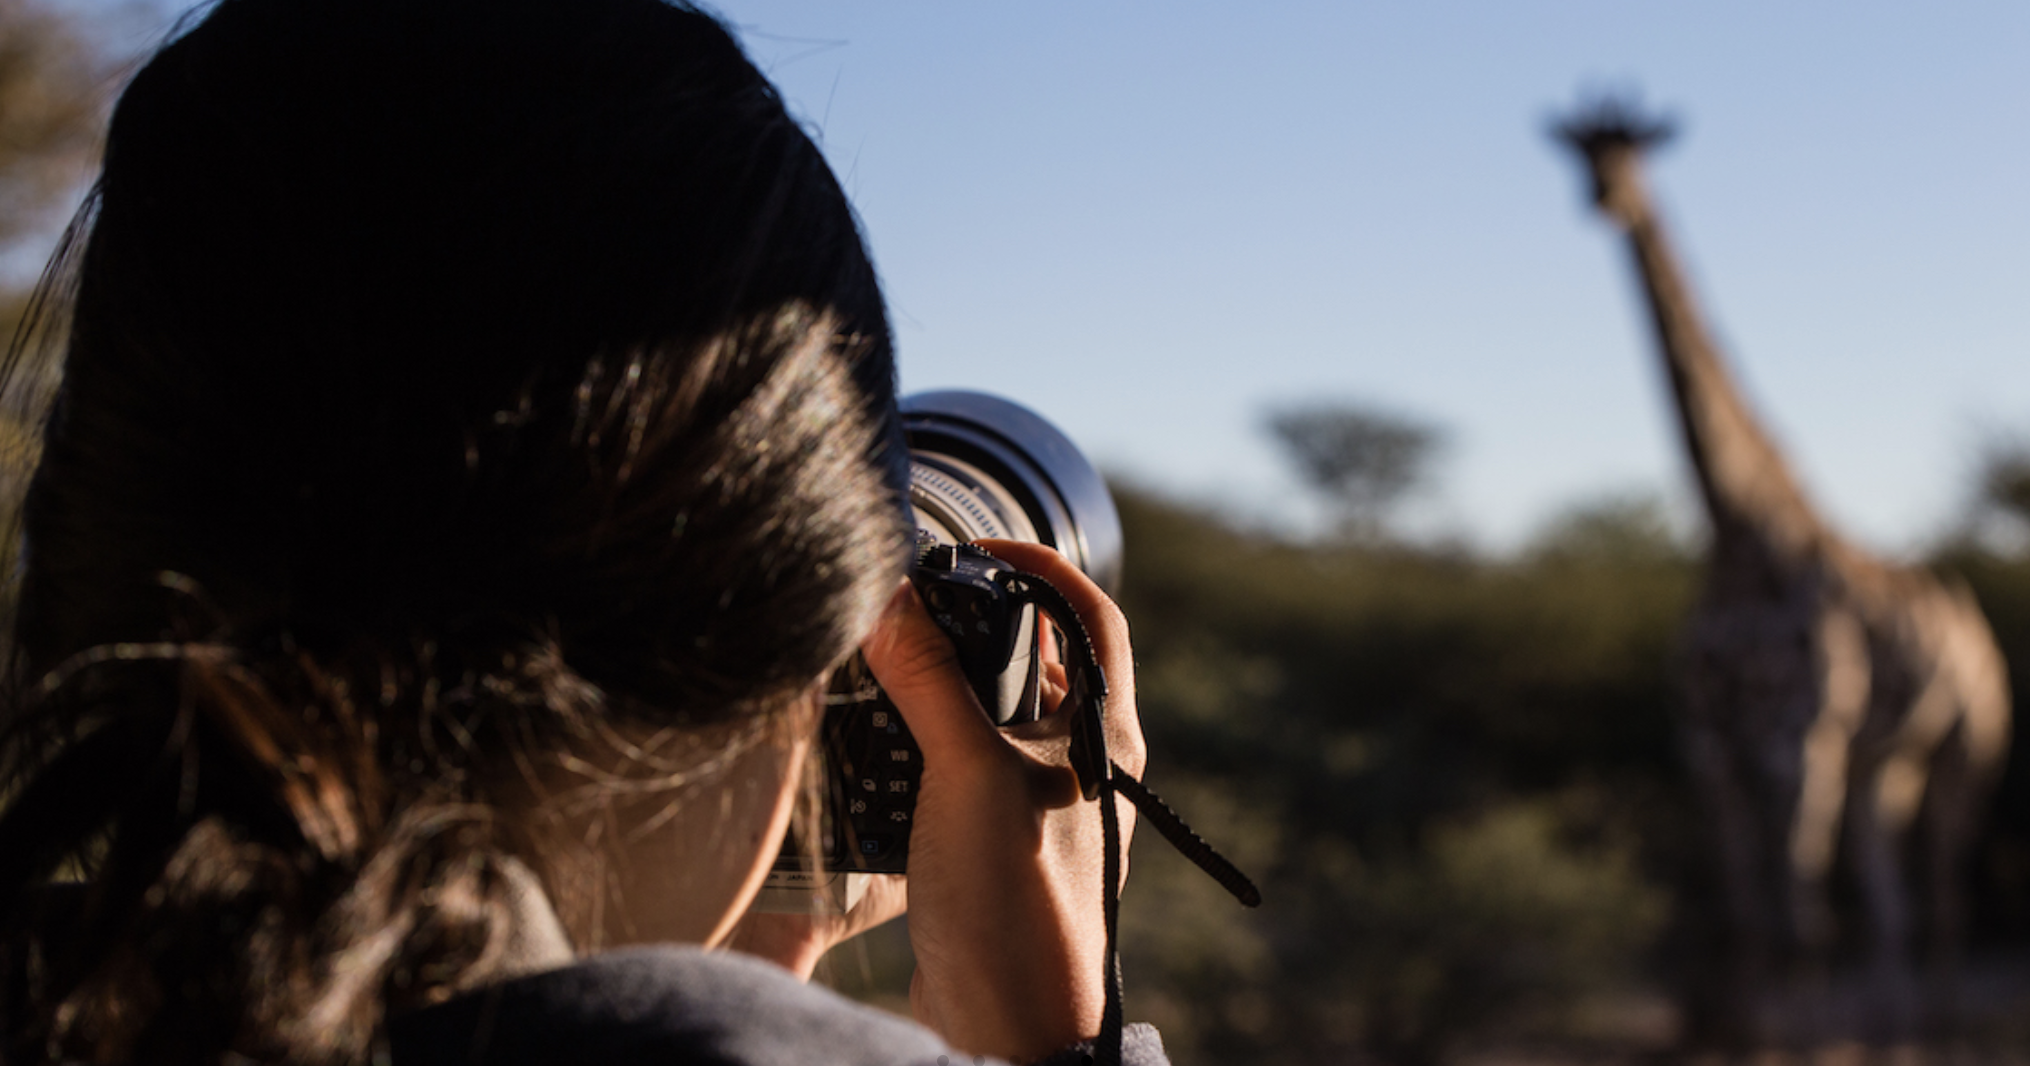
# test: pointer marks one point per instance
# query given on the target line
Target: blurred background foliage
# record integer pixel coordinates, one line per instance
(1452, 771)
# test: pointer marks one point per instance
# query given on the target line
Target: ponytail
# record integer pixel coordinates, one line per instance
(263, 874)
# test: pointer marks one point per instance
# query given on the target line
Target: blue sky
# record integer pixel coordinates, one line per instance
(1154, 221)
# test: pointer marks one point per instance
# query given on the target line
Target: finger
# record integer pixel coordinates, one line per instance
(1047, 641)
(886, 899)
(1104, 622)
(918, 668)
(1054, 684)
(1051, 679)
(1107, 627)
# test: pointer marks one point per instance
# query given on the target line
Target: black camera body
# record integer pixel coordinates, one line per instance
(874, 768)
(980, 467)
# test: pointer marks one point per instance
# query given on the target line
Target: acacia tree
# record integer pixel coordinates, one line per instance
(1362, 460)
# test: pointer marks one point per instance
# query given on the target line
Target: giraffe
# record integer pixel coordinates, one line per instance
(1835, 705)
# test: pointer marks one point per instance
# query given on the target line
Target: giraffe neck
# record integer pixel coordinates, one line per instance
(1749, 491)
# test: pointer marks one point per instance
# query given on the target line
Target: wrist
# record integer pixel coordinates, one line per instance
(1028, 1025)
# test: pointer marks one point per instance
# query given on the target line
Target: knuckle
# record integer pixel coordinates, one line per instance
(1107, 625)
(1135, 759)
(1130, 748)
(918, 659)
(1113, 621)
(907, 658)
(1051, 784)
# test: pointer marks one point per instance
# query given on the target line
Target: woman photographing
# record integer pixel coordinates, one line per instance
(477, 446)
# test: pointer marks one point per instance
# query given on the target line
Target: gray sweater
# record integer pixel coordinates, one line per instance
(672, 1006)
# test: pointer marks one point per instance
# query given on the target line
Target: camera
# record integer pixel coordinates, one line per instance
(980, 467)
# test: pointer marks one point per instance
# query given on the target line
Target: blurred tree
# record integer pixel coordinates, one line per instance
(51, 82)
(1363, 460)
(1996, 517)
(2005, 481)
(52, 91)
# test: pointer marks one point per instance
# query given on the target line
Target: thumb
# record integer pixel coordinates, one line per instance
(918, 668)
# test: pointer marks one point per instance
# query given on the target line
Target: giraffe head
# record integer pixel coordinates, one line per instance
(1610, 134)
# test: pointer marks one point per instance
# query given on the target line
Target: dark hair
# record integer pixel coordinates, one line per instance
(443, 379)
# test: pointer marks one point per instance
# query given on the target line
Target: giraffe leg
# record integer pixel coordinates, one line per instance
(1887, 1010)
(1729, 997)
(1945, 833)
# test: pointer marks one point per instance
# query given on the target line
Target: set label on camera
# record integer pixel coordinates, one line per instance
(879, 770)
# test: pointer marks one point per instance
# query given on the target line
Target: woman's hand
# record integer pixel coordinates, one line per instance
(796, 942)
(1006, 860)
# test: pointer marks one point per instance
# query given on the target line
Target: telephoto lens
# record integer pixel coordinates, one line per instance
(981, 467)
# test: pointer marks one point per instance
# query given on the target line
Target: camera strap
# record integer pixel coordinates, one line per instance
(1099, 777)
